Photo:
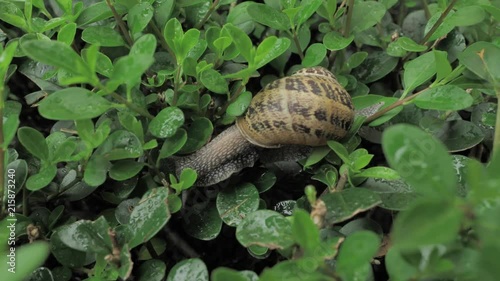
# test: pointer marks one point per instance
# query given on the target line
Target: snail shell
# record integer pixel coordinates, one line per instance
(308, 108)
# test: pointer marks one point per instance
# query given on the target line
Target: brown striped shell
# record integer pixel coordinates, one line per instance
(308, 108)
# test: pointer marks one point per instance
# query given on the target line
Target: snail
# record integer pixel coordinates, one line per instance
(290, 114)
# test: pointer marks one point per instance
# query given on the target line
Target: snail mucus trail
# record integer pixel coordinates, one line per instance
(283, 121)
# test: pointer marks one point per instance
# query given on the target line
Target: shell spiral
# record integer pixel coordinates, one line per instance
(308, 108)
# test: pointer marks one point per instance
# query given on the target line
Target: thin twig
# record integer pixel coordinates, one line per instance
(132, 106)
(177, 84)
(297, 44)
(160, 37)
(121, 24)
(392, 106)
(350, 11)
(208, 14)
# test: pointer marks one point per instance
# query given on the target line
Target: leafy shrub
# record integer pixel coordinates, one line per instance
(97, 95)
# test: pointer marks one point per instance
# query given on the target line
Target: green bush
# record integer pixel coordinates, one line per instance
(97, 96)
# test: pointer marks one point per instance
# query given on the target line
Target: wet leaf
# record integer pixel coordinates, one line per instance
(234, 204)
(347, 203)
(149, 216)
(167, 122)
(73, 104)
(265, 228)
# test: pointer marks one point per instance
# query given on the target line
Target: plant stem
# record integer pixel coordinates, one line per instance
(208, 14)
(177, 84)
(347, 26)
(392, 106)
(132, 106)
(121, 24)
(434, 27)
(161, 39)
(297, 44)
(426, 9)
(438, 22)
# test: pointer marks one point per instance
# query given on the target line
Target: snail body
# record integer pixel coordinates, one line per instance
(305, 109)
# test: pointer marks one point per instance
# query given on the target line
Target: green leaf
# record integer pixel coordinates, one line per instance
(305, 232)
(152, 270)
(380, 173)
(144, 46)
(125, 169)
(408, 148)
(355, 255)
(443, 67)
(269, 49)
(480, 58)
(202, 221)
(153, 206)
(376, 66)
(119, 145)
(418, 71)
(356, 59)
(11, 14)
(189, 269)
(413, 229)
(173, 144)
(314, 55)
(242, 41)
(96, 170)
(139, 16)
(444, 28)
(97, 12)
(187, 178)
(408, 44)
(234, 204)
(60, 55)
(173, 35)
(467, 16)
(214, 81)
(223, 274)
(335, 41)
(189, 41)
(129, 69)
(28, 257)
(395, 194)
(67, 33)
(268, 16)
(73, 104)
(265, 228)
(240, 105)
(163, 11)
(307, 9)
(340, 150)
(239, 17)
(85, 235)
(447, 97)
(365, 15)
(198, 134)
(34, 142)
(345, 204)
(102, 36)
(42, 179)
(166, 123)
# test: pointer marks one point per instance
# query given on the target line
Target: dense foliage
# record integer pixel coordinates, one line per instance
(97, 95)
